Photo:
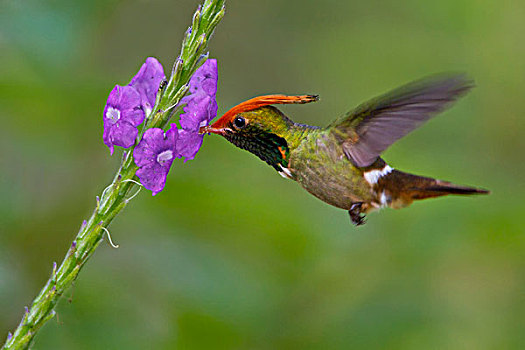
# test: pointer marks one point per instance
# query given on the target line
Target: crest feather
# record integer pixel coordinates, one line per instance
(261, 101)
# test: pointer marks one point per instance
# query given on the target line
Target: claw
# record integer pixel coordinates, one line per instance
(356, 216)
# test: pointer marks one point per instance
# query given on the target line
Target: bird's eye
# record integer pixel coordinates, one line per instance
(239, 122)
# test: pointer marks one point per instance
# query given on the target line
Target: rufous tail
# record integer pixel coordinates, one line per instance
(403, 188)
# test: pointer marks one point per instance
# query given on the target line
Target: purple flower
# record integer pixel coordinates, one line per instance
(205, 78)
(147, 82)
(200, 109)
(189, 143)
(127, 105)
(157, 149)
(154, 155)
(122, 115)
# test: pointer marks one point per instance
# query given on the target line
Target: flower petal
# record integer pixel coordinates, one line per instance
(195, 112)
(123, 134)
(189, 144)
(127, 98)
(212, 110)
(154, 155)
(106, 136)
(147, 82)
(122, 114)
(148, 147)
(153, 177)
(205, 78)
(113, 98)
(133, 116)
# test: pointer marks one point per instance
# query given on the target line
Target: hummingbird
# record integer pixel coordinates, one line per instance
(341, 163)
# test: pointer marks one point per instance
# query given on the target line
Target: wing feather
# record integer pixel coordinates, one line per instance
(371, 128)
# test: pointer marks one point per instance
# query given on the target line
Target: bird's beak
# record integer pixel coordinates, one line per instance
(209, 129)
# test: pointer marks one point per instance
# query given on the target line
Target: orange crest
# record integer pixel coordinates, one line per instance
(258, 102)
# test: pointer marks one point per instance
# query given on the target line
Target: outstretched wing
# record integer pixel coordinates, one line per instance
(371, 128)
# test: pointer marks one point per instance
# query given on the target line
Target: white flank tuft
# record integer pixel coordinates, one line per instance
(383, 199)
(285, 172)
(373, 176)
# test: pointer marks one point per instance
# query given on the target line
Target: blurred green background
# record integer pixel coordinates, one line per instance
(230, 255)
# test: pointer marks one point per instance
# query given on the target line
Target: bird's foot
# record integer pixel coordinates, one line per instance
(356, 216)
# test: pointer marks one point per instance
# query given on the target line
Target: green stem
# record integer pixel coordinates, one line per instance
(117, 195)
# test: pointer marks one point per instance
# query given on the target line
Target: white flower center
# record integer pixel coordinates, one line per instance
(147, 109)
(113, 115)
(165, 156)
